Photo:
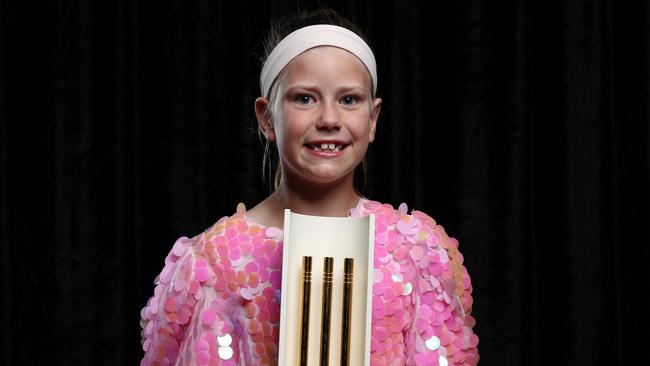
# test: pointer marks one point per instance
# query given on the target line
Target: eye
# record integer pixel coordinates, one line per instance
(349, 100)
(304, 99)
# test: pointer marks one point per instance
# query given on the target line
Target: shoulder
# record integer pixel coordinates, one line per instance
(416, 226)
(418, 238)
(237, 226)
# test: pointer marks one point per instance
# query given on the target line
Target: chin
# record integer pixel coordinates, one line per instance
(327, 179)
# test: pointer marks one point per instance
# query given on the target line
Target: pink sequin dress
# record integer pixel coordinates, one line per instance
(217, 300)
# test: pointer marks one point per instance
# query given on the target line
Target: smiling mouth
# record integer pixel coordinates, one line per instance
(326, 147)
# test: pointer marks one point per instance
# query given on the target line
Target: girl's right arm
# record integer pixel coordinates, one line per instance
(182, 324)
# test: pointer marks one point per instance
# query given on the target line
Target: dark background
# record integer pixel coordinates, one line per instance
(520, 126)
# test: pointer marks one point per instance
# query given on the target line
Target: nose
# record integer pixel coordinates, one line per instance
(329, 117)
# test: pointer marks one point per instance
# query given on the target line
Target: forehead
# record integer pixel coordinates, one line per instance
(330, 62)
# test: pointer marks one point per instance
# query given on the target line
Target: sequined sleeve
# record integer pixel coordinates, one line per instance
(441, 331)
(182, 325)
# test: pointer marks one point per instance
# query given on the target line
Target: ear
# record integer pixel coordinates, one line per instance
(264, 119)
(374, 116)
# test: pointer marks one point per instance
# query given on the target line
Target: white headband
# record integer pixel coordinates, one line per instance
(313, 36)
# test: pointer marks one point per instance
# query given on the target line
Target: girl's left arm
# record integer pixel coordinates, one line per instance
(441, 331)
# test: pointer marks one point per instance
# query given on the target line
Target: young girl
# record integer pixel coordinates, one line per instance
(217, 300)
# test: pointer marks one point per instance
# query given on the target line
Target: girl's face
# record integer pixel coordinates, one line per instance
(324, 116)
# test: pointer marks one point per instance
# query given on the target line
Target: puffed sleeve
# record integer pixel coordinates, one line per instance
(441, 331)
(186, 320)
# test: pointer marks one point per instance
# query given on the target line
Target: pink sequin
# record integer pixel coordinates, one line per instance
(202, 274)
(230, 233)
(246, 294)
(416, 253)
(208, 317)
(170, 304)
(203, 358)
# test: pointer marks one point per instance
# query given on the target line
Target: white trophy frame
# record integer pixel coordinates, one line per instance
(320, 237)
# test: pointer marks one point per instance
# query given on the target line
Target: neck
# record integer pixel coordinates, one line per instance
(332, 200)
(328, 200)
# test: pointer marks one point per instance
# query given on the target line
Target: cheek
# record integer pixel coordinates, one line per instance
(294, 125)
(363, 126)
(285, 135)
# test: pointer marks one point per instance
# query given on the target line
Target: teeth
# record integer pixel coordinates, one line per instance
(328, 147)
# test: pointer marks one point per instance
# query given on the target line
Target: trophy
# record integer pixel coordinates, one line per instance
(323, 320)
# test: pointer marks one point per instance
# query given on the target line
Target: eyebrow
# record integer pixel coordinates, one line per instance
(314, 87)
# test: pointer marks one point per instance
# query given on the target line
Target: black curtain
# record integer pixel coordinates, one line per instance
(520, 126)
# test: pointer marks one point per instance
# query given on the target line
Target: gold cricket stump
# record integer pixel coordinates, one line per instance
(304, 313)
(326, 311)
(346, 317)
